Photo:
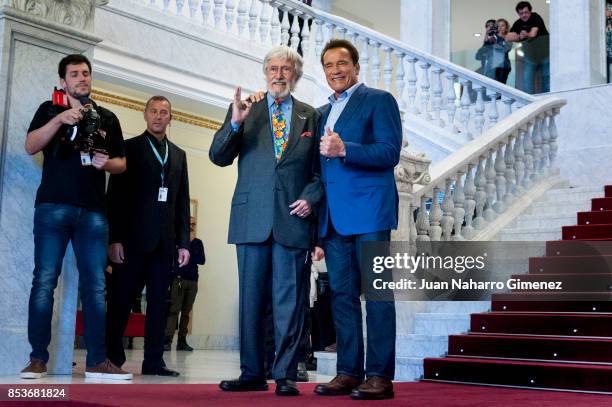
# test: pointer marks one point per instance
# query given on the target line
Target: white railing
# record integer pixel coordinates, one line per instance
(426, 87)
(482, 179)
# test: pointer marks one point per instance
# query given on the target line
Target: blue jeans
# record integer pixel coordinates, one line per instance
(342, 257)
(54, 226)
(530, 68)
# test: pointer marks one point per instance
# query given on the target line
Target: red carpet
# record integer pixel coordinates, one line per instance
(546, 339)
(407, 394)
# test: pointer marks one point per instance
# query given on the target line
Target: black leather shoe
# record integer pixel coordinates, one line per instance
(286, 387)
(243, 385)
(182, 345)
(160, 371)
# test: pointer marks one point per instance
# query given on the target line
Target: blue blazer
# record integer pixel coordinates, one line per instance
(360, 191)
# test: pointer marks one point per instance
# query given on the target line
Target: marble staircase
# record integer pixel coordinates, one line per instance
(542, 221)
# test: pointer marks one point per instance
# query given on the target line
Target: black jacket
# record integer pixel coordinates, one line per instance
(135, 216)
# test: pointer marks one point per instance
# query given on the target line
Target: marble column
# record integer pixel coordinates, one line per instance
(35, 36)
(577, 44)
(425, 25)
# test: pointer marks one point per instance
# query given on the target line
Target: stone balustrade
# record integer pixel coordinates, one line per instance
(473, 186)
(427, 88)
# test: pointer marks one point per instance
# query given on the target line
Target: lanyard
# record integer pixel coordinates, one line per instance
(163, 163)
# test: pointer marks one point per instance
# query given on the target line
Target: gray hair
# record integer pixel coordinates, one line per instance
(288, 54)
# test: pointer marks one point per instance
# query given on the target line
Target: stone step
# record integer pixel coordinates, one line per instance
(590, 192)
(456, 307)
(407, 369)
(441, 324)
(421, 345)
(530, 236)
(558, 206)
(536, 221)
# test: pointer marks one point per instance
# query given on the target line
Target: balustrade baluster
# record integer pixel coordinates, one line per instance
(364, 60)
(552, 131)
(448, 209)
(399, 79)
(544, 163)
(470, 203)
(507, 101)
(319, 38)
(253, 17)
(193, 8)
(375, 64)
(425, 86)
(166, 6)
(306, 51)
(412, 88)
(437, 96)
(435, 216)
(528, 146)
(295, 31)
(493, 113)
(285, 27)
(243, 18)
(388, 69)
(179, 7)
(489, 213)
(479, 109)
(500, 180)
(422, 222)
(466, 102)
(510, 174)
(537, 150)
(218, 12)
(481, 194)
(275, 26)
(519, 161)
(459, 204)
(451, 98)
(205, 9)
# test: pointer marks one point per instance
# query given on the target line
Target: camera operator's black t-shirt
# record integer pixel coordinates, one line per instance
(537, 48)
(64, 179)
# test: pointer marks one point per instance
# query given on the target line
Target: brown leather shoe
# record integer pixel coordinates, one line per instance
(341, 385)
(374, 388)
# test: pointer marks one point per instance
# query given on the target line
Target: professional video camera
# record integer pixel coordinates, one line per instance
(493, 30)
(86, 135)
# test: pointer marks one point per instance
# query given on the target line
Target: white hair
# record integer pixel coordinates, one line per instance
(288, 54)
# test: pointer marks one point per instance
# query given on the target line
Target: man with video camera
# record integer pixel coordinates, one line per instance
(79, 141)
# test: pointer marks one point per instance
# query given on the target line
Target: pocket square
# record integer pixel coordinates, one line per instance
(306, 134)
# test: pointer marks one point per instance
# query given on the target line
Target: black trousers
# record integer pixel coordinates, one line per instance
(154, 269)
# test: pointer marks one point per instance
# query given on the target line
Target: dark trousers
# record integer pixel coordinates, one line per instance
(343, 256)
(182, 296)
(260, 265)
(154, 269)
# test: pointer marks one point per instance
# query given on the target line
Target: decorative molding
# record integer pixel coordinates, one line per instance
(77, 14)
(133, 104)
(412, 169)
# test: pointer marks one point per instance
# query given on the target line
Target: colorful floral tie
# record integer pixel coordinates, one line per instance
(279, 127)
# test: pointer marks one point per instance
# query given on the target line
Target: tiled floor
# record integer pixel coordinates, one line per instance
(200, 366)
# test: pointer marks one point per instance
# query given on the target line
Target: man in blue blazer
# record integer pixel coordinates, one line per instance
(360, 140)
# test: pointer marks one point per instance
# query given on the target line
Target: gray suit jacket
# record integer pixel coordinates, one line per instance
(265, 188)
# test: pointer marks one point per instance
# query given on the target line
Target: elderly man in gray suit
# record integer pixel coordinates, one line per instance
(271, 218)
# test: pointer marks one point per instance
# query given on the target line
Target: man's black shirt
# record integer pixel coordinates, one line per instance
(160, 146)
(196, 256)
(64, 179)
(534, 21)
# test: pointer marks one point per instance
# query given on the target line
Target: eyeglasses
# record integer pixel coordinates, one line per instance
(284, 69)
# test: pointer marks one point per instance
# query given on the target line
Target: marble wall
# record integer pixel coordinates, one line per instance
(585, 136)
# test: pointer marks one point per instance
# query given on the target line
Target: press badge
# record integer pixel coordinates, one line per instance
(163, 194)
(85, 158)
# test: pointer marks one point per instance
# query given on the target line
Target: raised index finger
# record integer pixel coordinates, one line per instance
(237, 95)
